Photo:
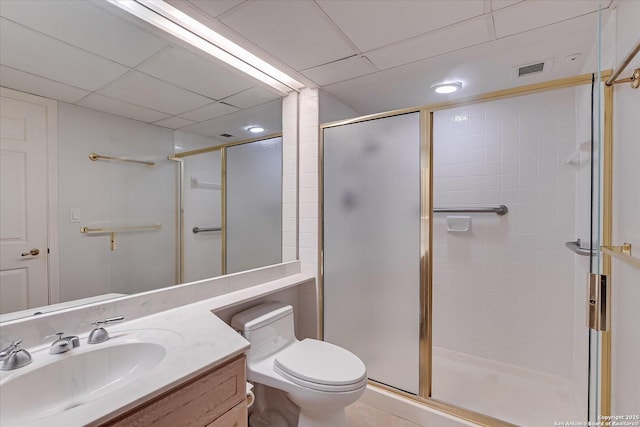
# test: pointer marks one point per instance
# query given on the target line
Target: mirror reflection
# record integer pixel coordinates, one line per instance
(133, 98)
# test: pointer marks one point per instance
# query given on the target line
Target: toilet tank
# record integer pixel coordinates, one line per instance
(269, 327)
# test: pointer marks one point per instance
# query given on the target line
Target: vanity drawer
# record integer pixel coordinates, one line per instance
(197, 403)
(235, 417)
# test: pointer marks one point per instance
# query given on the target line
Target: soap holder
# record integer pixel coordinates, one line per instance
(458, 224)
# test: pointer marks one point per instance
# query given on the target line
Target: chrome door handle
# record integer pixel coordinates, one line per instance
(32, 252)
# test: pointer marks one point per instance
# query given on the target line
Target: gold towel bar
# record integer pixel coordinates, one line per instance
(623, 253)
(113, 230)
(120, 229)
(94, 157)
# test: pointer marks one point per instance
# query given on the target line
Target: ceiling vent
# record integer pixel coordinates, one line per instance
(528, 69)
(226, 135)
(533, 68)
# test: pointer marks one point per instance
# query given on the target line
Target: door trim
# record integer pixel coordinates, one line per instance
(51, 107)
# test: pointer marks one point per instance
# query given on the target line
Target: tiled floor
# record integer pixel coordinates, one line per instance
(362, 415)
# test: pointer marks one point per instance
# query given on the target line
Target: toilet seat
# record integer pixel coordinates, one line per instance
(321, 366)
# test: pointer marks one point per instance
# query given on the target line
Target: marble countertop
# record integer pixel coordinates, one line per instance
(196, 341)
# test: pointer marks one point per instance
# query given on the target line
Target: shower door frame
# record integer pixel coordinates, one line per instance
(179, 158)
(426, 233)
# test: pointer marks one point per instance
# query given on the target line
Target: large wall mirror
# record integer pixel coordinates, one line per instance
(160, 179)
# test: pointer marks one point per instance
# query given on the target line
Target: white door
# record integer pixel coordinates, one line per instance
(23, 205)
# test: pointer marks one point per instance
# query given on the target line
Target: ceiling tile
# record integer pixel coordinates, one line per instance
(119, 108)
(30, 83)
(87, 26)
(210, 111)
(35, 53)
(373, 24)
(250, 97)
(535, 14)
(217, 7)
(140, 89)
(449, 39)
(174, 122)
(338, 71)
(295, 32)
(267, 115)
(482, 69)
(501, 4)
(190, 71)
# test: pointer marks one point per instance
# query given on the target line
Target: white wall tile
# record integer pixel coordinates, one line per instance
(502, 286)
(308, 180)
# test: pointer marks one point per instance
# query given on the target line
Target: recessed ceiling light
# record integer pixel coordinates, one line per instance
(572, 57)
(447, 87)
(255, 129)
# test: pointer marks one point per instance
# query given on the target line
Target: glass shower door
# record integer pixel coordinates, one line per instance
(253, 204)
(371, 191)
(509, 334)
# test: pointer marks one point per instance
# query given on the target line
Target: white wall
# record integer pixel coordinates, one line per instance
(115, 193)
(505, 289)
(331, 109)
(308, 191)
(626, 219)
(290, 177)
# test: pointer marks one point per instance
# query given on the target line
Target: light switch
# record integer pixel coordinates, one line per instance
(74, 215)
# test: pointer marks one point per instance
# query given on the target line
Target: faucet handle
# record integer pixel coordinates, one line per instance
(100, 334)
(14, 357)
(99, 323)
(14, 346)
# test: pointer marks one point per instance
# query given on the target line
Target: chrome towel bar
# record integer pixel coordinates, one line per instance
(197, 230)
(499, 210)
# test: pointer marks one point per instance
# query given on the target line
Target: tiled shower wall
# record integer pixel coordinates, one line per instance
(505, 289)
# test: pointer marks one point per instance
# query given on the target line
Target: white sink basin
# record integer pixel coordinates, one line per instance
(56, 383)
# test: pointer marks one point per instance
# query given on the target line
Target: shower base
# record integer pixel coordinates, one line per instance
(517, 395)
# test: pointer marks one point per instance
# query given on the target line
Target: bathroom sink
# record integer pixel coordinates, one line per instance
(61, 382)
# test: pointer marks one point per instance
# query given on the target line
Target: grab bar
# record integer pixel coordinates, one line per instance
(575, 247)
(500, 210)
(197, 230)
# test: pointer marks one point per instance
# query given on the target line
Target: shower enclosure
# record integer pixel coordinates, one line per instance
(231, 201)
(446, 268)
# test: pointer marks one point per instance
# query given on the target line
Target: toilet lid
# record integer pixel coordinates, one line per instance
(321, 363)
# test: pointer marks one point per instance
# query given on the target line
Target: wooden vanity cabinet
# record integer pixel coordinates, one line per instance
(216, 398)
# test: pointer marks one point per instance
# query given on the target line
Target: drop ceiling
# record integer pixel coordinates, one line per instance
(377, 55)
(373, 55)
(83, 53)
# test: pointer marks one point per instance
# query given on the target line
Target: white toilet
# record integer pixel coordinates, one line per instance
(319, 377)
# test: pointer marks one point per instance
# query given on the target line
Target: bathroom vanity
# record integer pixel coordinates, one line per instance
(181, 367)
(213, 399)
(171, 362)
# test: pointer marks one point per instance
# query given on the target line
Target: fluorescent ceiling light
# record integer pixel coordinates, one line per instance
(447, 87)
(177, 23)
(255, 129)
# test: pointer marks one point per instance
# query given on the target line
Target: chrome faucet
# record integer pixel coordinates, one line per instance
(14, 357)
(100, 334)
(63, 344)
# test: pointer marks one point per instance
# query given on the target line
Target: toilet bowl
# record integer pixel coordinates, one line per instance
(320, 378)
